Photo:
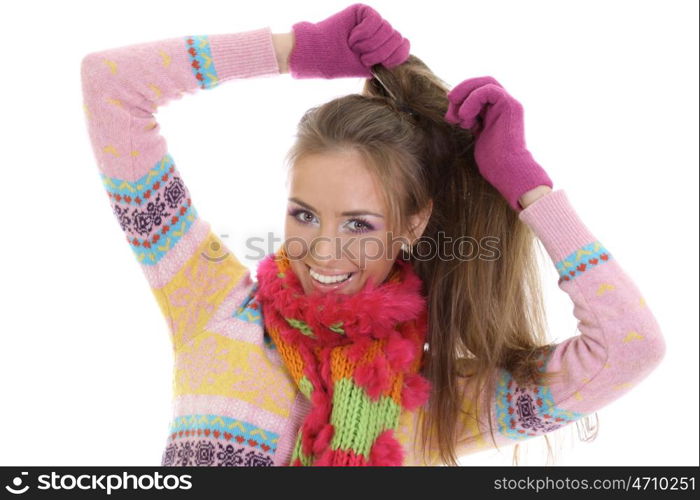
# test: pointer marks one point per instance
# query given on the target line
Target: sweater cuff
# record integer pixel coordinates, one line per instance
(557, 225)
(246, 54)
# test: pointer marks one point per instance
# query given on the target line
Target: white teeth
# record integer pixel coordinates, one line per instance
(325, 279)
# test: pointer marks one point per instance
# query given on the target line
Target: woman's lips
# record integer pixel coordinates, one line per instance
(330, 286)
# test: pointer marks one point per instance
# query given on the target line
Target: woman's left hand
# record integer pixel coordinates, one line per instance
(483, 106)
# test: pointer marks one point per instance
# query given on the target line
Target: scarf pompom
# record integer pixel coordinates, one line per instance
(374, 376)
(386, 450)
(323, 440)
(399, 352)
(415, 391)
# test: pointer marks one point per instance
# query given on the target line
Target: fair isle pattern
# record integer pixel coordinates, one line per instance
(202, 61)
(212, 453)
(584, 258)
(154, 212)
(523, 412)
(230, 429)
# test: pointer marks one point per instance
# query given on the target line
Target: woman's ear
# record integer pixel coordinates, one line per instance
(420, 220)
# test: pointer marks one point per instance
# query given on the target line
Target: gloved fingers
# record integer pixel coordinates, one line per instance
(474, 104)
(399, 55)
(364, 38)
(461, 91)
(367, 23)
(459, 114)
(390, 54)
(376, 41)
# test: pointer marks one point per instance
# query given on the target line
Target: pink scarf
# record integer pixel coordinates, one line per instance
(356, 357)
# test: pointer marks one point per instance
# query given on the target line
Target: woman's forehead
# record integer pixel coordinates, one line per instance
(338, 181)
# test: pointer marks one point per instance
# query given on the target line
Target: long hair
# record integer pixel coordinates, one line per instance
(485, 308)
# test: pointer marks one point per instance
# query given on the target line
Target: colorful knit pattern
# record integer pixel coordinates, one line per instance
(230, 387)
(202, 61)
(213, 440)
(523, 412)
(583, 259)
(358, 367)
(154, 212)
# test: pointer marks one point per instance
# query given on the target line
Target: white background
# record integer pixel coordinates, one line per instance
(610, 91)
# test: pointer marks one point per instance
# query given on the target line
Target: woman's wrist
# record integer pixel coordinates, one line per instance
(533, 195)
(284, 43)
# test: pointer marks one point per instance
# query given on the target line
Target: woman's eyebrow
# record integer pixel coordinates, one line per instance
(351, 212)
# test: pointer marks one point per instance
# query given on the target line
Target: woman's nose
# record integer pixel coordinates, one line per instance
(323, 246)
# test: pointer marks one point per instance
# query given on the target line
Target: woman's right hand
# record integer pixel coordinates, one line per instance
(347, 44)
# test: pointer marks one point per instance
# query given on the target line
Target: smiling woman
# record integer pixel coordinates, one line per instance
(348, 351)
(346, 234)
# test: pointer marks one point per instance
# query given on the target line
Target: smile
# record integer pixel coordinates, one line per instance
(328, 283)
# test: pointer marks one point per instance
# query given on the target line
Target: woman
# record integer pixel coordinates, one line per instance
(358, 344)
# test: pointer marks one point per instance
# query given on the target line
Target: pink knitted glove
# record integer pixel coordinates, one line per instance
(347, 44)
(483, 106)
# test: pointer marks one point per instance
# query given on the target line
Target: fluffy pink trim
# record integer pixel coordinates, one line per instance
(373, 376)
(415, 391)
(399, 352)
(394, 311)
(372, 312)
(323, 440)
(386, 450)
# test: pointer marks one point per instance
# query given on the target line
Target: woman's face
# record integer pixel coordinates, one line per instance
(336, 223)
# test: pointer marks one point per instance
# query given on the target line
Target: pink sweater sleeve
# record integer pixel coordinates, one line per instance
(619, 344)
(188, 268)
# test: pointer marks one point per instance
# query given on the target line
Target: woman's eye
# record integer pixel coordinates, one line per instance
(364, 226)
(303, 213)
(356, 225)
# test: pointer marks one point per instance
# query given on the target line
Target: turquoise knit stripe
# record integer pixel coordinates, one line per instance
(202, 61)
(581, 260)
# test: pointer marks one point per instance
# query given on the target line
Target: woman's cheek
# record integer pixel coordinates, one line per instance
(368, 250)
(296, 246)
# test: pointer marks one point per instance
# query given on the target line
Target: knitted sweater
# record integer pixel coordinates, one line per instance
(234, 401)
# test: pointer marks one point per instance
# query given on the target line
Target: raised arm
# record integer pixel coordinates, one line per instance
(188, 267)
(619, 345)
(620, 341)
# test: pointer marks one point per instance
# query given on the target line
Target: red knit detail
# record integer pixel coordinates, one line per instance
(341, 458)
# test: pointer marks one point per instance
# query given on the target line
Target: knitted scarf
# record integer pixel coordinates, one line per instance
(356, 357)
